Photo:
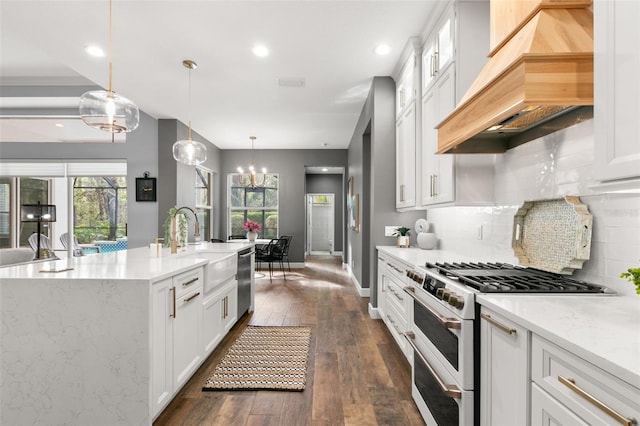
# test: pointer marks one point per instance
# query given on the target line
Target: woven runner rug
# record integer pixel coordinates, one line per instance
(273, 358)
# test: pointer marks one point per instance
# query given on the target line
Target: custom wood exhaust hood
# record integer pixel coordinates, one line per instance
(539, 78)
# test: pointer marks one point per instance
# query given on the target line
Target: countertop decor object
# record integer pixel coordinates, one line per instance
(421, 226)
(553, 235)
(427, 240)
(402, 233)
(633, 276)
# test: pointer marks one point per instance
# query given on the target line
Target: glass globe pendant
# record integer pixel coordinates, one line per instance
(104, 109)
(188, 151)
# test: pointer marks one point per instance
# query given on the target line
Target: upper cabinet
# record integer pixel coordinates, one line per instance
(617, 90)
(406, 134)
(437, 51)
(452, 57)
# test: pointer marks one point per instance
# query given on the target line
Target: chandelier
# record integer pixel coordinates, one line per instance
(251, 170)
(104, 109)
(188, 151)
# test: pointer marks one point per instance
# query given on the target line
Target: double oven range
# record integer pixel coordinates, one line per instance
(445, 332)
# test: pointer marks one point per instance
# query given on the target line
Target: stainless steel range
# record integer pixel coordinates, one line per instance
(445, 329)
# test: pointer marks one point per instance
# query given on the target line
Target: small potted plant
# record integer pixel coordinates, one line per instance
(403, 236)
(633, 276)
(252, 229)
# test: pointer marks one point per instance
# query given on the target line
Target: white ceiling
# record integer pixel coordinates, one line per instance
(328, 43)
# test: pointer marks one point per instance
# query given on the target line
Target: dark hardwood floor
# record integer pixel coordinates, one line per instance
(356, 373)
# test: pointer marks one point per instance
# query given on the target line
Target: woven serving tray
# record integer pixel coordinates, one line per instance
(553, 235)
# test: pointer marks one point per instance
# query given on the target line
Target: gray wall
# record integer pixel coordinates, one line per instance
(289, 164)
(331, 184)
(376, 162)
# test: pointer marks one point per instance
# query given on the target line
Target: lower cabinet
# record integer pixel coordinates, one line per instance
(504, 371)
(187, 325)
(529, 380)
(396, 304)
(219, 314)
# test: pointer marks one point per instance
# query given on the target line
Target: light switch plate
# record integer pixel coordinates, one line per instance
(389, 230)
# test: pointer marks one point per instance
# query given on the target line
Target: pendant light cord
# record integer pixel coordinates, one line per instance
(189, 103)
(110, 47)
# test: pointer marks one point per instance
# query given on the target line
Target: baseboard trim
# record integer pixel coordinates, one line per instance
(362, 291)
(374, 312)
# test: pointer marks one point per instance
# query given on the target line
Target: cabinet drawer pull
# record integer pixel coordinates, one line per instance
(571, 384)
(444, 321)
(192, 297)
(449, 390)
(502, 327)
(191, 281)
(173, 290)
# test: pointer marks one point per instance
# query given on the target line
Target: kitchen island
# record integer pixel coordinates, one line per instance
(91, 345)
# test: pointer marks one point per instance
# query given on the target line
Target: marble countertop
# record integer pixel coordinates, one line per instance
(139, 263)
(418, 257)
(604, 330)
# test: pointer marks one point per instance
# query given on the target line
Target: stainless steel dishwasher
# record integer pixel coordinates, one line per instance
(244, 280)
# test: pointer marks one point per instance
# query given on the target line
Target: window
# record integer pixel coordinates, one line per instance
(29, 191)
(259, 204)
(204, 206)
(100, 208)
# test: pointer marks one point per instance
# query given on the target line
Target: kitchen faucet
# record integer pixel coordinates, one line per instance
(174, 238)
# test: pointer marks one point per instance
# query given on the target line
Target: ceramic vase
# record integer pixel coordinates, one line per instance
(427, 240)
(251, 235)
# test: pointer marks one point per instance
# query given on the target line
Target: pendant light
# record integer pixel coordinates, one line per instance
(188, 151)
(253, 181)
(104, 109)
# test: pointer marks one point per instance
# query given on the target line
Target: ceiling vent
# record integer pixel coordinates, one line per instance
(291, 82)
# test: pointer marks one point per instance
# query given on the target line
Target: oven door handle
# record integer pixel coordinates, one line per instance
(451, 391)
(446, 322)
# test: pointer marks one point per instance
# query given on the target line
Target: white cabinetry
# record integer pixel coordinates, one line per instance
(617, 89)
(220, 313)
(504, 367)
(381, 284)
(568, 390)
(397, 304)
(453, 55)
(177, 333)
(406, 136)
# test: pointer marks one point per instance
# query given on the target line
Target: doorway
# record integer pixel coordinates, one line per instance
(320, 224)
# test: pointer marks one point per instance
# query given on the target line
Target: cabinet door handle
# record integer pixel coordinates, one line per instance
(173, 290)
(451, 391)
(501, 326)
(191, 298)
(191, 281)
(436, 63)
(571, 384)
(435, 185)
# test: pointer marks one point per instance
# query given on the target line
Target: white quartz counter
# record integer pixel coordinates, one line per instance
(418, 257)
(139, 263)
(604, 330)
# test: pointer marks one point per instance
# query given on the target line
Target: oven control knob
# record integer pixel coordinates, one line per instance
(440, 292)
(445, 295)
(456, 301)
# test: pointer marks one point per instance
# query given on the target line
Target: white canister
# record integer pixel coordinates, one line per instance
(427, 240)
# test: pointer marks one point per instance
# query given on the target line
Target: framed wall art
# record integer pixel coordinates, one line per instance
(146, 188)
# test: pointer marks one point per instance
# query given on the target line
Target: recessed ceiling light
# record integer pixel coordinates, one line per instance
(382, 49)
(260, 50)
(324, 144)
(59, 125)
(324, 169)
(94, 51)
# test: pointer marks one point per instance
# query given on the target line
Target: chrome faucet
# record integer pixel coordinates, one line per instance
(174, 238)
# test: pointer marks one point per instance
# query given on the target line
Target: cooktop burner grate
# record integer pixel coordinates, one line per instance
(506, 278)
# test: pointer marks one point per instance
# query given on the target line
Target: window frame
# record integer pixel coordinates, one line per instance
(246, 209)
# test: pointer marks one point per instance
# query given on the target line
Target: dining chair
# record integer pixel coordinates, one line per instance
(285, 254)
(271, 253)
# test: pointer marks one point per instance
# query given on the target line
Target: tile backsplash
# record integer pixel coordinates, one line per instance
(550, 167)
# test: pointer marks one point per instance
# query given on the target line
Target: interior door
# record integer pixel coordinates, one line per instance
(320, 223)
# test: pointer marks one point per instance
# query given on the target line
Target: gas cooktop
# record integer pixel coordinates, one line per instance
(506, 278)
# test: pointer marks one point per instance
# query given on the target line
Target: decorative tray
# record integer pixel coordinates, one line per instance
(553, 235)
